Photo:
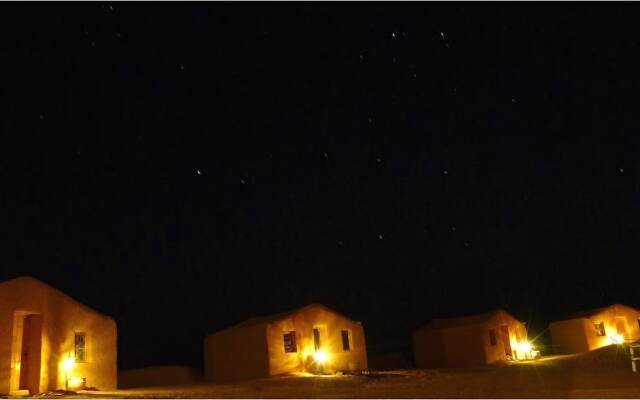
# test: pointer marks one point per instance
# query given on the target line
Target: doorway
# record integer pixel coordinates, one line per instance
(504, 330)
(30, 353)
(316, 339)
(621, 326)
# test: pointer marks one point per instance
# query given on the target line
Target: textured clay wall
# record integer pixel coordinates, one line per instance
(517, 334)
(428, 348)
(236, 353)
(331, 326)
(257, 350)
(580, 335)
(463, 347)
(618, 319)
(60, 317)
(466, 345)
(569, 337)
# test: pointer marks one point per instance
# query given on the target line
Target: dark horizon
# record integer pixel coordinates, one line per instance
(184, 167)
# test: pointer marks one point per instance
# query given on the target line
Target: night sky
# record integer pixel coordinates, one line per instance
(185, 166)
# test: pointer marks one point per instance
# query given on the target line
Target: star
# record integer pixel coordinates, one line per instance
(621, 170)
(393, 35)
(513, 100)
(380, 236)
(243, 181)
(445, 172)
(444, 40)
(370, 120)
(325, 155)
(42, 117)
(199, 171)
(361, 57)
(181, 67)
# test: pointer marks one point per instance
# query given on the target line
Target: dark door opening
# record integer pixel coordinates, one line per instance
(316, 339)
(621, 326)
(30, 353)
(504, 330)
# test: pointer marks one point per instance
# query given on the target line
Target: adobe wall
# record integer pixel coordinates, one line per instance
(236, 353)
(331, 325)
(61, 318)
(569, 337)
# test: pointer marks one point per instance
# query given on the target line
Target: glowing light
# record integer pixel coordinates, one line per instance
(320, 356)
(525, 350)
(525, 347)
(68, 364)
(616, 338)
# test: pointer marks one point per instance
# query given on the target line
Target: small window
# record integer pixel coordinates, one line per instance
(346, 345)
(316, 338)
(492, 337)
(80, 347)
(600, 331)
(290, 342)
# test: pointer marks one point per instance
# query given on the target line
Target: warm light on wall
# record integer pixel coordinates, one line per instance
(76, 383)
(616, 338)
(68, 364)
(525, 347)
(525, 350)
(320, 356)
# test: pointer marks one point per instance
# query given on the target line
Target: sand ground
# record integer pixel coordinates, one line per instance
(604, 373)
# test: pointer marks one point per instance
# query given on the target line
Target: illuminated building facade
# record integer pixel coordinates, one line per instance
(50, 341)
(592, 329)
(471, 341)
(313, 339)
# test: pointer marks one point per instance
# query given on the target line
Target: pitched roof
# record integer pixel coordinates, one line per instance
(590, 313)
(585, 313)
(266, 319)
(469, 320)
(38, 282)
